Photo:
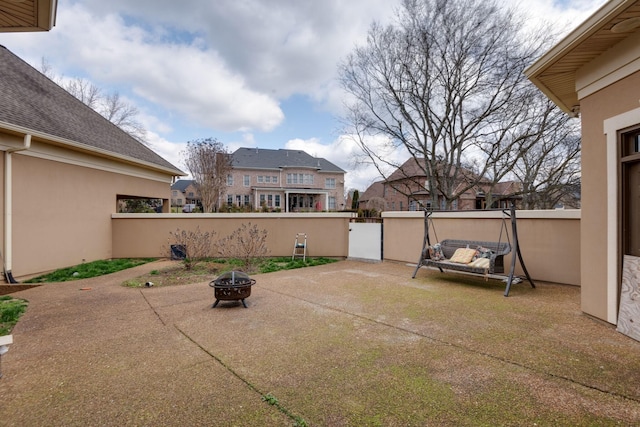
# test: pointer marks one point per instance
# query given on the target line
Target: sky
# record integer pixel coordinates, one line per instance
(250, 73)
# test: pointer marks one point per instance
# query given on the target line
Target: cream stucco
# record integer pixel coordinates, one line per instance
(62, 201)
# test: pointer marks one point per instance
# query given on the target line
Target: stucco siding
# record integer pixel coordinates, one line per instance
(596, 108)
(62, 212)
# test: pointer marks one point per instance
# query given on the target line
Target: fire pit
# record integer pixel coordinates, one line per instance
(231, 286)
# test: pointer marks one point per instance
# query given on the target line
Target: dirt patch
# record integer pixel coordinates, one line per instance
(178, 275)
(16, 287)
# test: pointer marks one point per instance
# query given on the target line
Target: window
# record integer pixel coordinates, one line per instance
(630, 159)
(262, 200)
(332, 203)
(260, 179)
(179, 202)
(270, 200)
(329, 183)
(246, 180)
(277, 201)
(175, 193)
(299, 178)
(229, 180)
(229, 199)
(191, 194)
(247, 200)
(274, 179)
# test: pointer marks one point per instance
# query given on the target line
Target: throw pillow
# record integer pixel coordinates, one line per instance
(435, 252)
(482, 252)
(463, 255)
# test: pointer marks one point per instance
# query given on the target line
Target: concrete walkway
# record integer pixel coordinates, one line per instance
(345, 344)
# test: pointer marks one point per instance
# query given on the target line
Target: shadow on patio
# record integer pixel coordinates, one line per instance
(342, 344)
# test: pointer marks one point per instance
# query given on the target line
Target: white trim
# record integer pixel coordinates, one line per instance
(60, 154)
(277, 215)
(75, 146)
(521, 214)
(611, 128)
(614, 65)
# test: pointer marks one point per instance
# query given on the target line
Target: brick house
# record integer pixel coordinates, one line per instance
(406, 189)
(184, 192)
(284, 180)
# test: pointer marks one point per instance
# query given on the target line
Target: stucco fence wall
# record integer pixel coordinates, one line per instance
(549, 240)
(148, 235)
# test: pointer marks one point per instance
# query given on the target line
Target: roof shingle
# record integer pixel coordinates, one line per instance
(260, 158)
(31, 100)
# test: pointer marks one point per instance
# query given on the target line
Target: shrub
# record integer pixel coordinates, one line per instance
(247, 243)
(196, 245)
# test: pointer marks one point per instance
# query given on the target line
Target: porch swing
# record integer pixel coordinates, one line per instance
(473, 257)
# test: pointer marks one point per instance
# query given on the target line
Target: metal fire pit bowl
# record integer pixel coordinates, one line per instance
(232, 286)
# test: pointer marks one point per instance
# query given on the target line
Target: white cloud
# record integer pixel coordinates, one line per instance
(192, 81)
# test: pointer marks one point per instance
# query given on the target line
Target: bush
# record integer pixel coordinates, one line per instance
(196, 244)
(247, 243)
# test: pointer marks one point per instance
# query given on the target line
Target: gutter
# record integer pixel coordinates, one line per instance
(8, 208)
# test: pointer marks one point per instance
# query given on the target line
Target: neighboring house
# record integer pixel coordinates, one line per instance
(407, 189)
(64, 169)
(284, 180)
(594, 72)
(373, 198)
(184, 192)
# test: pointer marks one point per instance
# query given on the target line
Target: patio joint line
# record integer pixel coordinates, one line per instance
(467, 349)
(263, 396)
(153, 309)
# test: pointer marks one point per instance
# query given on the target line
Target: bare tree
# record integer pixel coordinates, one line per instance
(209, 163)
(550, 171)
(122, 114)
(445, 85)
(85, 91)
(111, 106)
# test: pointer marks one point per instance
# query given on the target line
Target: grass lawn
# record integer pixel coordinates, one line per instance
(89, 269)
(10, 311)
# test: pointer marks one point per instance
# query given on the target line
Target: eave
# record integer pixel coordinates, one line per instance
(27, 15)
(555, 72)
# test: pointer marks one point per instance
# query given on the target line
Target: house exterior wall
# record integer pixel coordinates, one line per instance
(267, 182)
(63, 201)
(599, 235)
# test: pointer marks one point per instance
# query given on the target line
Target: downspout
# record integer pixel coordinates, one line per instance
(8, 208)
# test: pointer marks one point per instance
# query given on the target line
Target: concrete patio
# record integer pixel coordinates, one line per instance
(344, 344)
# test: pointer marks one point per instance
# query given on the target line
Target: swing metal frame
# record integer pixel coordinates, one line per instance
(496, 261)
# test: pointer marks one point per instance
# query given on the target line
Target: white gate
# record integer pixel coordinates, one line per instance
(365, 241)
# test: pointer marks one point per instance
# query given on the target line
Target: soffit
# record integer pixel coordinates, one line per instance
(27, 15)
(555, 72)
